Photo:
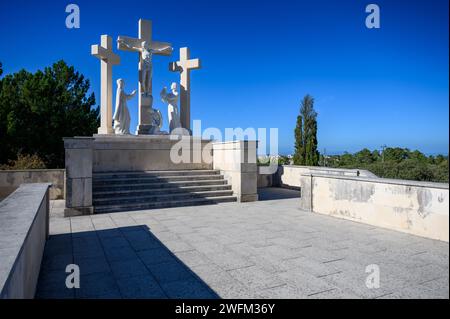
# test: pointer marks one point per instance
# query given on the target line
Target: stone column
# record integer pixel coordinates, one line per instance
(236, 160)
(78, 176)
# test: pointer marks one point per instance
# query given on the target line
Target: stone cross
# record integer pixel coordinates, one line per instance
(107, 60)
(134, 44)
(184, 66)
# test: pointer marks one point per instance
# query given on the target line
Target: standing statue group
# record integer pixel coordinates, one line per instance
(122, 115)
(150, 119)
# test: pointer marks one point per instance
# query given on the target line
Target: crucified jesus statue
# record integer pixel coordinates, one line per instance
(146, 57)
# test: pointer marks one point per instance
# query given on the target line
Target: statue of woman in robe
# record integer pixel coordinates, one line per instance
(122, 115)
(172, 109)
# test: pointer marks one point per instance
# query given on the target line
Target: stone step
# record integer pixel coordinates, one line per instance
(152, 186)
(139, 192)
(159, 197)
(155, 173)
(152, 179)
(165, 204)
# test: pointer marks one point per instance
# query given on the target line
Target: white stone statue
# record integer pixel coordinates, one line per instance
(172, 109)
(122, 115)
(147, 68)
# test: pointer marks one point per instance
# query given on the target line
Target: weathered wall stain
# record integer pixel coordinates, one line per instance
(424, 198)
(342, 190)
(413, 207)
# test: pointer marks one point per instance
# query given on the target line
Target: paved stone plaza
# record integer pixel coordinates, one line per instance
(264, 249)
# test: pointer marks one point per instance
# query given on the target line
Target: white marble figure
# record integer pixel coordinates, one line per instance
(172, 109)
(147, 68)
(122, 115)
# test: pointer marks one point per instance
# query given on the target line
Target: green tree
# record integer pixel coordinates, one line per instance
(38, 110)
(396, 154)
(399, 163)
(364, 157)
(439, 159)
(299, 154)
(283, 160)
(306, 152)
(419, 156)
(1, 69)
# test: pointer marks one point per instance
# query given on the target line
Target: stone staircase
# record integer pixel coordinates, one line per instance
(125, 191)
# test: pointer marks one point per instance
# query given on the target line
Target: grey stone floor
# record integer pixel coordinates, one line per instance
(265, 249)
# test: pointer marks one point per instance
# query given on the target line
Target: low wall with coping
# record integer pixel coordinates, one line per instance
(418, 208)
(289, 175)
(24, 223)
(10, 180)
(265, 180)
(236, 160)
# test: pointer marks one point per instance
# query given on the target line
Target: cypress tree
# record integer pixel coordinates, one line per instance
(299, 155)
(306, 152)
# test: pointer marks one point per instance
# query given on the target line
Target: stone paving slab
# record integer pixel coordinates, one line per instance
(265, 249)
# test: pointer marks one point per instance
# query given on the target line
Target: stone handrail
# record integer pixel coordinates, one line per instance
(24, 226)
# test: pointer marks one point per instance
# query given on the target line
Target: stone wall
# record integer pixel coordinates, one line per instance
(10, 180)
(265, 180)
(236, 160)
(24, 222)
(149, 152)
(418, 208)
(289, 176)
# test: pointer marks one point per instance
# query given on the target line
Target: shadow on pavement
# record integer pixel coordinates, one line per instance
(273, 193)
(125, 262)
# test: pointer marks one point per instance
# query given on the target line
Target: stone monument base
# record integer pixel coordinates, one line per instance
(149, 152)
(112, 153)
(85, 156)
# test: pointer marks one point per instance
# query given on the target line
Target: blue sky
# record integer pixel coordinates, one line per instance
(259, 58)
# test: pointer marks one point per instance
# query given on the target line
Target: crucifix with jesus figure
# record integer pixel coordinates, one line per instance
(146, 48)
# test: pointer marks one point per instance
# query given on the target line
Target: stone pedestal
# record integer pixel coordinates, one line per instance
(150, 152)
(145, 114)
(118, 153)
(78, 176)
(236, 160)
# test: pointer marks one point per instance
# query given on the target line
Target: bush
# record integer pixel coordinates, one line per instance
(25, 161)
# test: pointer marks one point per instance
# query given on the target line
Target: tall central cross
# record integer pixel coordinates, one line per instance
(184, 66)
(108, 59)
(145, 93)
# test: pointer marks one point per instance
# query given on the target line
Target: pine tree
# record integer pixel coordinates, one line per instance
(38, 109)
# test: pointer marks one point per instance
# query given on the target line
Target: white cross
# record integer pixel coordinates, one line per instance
(134, 45)
(107, 60)
(184, 66)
